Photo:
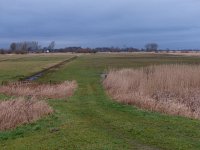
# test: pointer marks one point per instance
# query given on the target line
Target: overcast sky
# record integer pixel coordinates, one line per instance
(94, 23)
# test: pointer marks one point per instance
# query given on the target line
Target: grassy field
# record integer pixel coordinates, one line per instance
(16, 66)
(91, 120)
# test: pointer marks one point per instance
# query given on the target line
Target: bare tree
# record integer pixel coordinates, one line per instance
(25, 46)
(151, 47)
(51, 45)
(13, 46)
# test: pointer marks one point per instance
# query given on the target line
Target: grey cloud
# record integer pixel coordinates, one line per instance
(171, 23)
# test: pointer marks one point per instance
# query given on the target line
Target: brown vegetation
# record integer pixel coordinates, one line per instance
(190, 53)
(169, 89)
(61, 90)
(20, 111)
(26, 110)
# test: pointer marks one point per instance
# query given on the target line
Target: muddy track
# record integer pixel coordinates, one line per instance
(42, 72)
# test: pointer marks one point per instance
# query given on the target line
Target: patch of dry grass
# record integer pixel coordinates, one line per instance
(169, 89)
(194, 53)
(20, 111)
(61, 90)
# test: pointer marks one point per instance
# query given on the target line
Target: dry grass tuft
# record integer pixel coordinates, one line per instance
(169, 89)
(61, 90)
(20, 111)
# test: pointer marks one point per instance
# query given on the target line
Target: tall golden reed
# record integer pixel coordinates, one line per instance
(61, 90)
(169, 89)
(27, 108)
(21, 111)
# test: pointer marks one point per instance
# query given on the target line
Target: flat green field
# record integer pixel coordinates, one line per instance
(14, 67)
(90, 120)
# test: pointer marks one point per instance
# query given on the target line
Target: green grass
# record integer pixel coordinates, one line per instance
(18, 66)
(91, 120)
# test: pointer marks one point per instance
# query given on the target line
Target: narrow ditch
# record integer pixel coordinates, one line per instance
(39, 74)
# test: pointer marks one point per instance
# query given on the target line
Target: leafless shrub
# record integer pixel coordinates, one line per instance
(61, 90)
(169, 89)
(20, 111)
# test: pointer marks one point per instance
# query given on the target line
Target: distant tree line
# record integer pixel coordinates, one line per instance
(151, 47)
(28, 47)
(24, 47)
(34, 47)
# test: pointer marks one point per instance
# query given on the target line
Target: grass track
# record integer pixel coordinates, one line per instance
(90, 120)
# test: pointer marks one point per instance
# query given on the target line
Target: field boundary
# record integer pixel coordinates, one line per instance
(42, 72)
(12, 59)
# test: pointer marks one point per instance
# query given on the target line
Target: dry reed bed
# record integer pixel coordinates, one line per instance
(21, 111)
(27, 108)
(169, 89)
(61, 90)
